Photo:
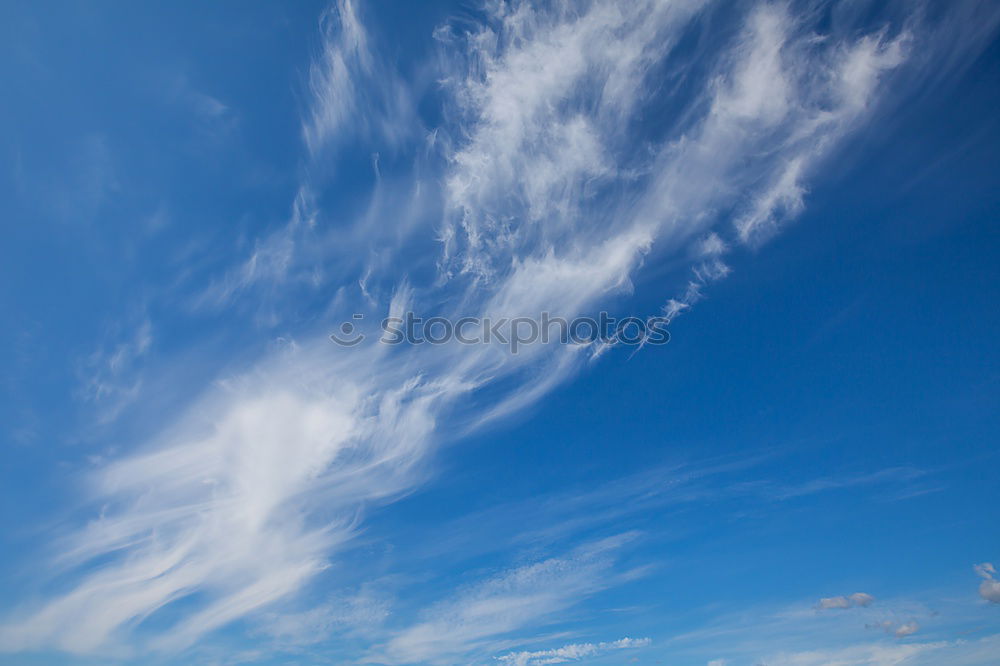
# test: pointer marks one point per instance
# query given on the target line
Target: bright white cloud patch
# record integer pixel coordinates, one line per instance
(571, 652)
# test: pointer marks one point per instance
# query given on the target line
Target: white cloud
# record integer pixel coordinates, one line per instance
(985, 570)
(834, 602)
(895, 628)
(355, 94)
(333, 78)
(215, 119)
(528, 596)
(989, 589)
(954, 653)
(363, 612)
(797, 635)
(862, 599)
(532, 164)
(780, 95)
(860, 655)
(571, 652)
(111, 376)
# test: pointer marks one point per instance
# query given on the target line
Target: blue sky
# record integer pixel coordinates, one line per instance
(194, 197)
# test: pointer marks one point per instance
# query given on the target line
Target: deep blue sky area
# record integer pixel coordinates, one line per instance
(860, 340)
(193, 196)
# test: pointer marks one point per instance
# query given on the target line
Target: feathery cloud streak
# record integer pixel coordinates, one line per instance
(571, 652)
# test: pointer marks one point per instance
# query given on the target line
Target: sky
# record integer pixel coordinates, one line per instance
(198, 200)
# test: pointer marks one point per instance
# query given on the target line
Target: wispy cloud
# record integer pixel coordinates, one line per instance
(861, 655)
(479, 618)
(110, 376)
(857, 599)
(798, 635)
(363, 612)
(354, 93)
(571, 652)
(989, 589)
(957, 652)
